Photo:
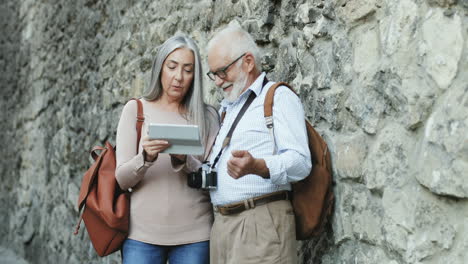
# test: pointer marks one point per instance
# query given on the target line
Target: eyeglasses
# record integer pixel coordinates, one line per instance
(221, 73)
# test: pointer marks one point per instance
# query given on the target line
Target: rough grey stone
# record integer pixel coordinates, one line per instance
(367, 51)
(367, 107)
(326, 66)
(442, 3)
(424, 233)
(359, 216)
(440, 31)
(261, 35)
(389, 163)
(328, 107)
(420, 102)
(443, 158)
(352, 252)
(350, 152)
(9, 257)
(352, 11)
(435, 232)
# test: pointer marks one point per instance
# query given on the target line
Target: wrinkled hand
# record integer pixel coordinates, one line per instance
(241, 164)
(153, 147)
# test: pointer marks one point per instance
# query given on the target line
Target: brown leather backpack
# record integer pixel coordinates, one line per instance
(106, 206)
(312, 197)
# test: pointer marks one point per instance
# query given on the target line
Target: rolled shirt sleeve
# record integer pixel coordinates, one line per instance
(292, 162)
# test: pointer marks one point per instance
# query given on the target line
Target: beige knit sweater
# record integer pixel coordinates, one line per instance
(163, 210)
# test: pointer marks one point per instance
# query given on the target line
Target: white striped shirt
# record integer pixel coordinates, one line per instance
(292, 160)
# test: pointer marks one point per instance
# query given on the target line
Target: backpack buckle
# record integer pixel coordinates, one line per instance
(269, 121)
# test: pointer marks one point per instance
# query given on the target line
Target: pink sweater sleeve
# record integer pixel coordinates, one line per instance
(131, 166)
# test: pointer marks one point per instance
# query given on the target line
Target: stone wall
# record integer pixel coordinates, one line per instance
(385, 82)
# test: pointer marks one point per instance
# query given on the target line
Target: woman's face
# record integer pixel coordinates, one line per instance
(177, 74)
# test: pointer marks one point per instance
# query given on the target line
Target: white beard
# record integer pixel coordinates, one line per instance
(237, 88)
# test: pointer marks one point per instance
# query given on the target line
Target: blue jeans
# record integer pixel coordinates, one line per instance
(136, 252)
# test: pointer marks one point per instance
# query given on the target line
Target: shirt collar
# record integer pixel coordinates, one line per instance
(255, 87)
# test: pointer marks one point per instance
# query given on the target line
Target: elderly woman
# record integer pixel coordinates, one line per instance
(168, 220)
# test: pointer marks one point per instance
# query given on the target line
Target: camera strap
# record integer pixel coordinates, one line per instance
(246, 105)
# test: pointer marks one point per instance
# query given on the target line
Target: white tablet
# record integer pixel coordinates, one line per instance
(184, 139)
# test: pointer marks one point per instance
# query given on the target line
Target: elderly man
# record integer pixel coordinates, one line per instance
(254, 220)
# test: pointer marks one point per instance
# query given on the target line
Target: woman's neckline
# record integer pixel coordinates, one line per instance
(152, 105)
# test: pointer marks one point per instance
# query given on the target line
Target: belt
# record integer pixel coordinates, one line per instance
(239, 207)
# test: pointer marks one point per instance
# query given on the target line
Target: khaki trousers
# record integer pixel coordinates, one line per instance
(264, 234)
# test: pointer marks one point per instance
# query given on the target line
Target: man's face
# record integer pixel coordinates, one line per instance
(234, 80)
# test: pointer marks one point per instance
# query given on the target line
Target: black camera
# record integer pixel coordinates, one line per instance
(205, 178)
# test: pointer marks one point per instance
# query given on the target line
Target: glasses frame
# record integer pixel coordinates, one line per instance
(221, 73)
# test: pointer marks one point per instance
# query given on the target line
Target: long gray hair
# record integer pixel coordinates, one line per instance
(193, 100)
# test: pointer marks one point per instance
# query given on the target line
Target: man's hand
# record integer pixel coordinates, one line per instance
(243, 163)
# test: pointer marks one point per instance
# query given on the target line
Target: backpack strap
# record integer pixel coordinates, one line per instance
(140, 119)
(268, 110)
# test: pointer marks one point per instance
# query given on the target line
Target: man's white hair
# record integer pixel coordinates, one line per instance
(234, 41)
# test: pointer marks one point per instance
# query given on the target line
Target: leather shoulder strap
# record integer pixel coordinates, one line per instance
(268, 111)
(140, 119)
(269, 98)
(241, 113)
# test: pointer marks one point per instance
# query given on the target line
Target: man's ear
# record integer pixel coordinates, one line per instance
(249, 60)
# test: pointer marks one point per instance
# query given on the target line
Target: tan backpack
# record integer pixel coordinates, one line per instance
(312, 197)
